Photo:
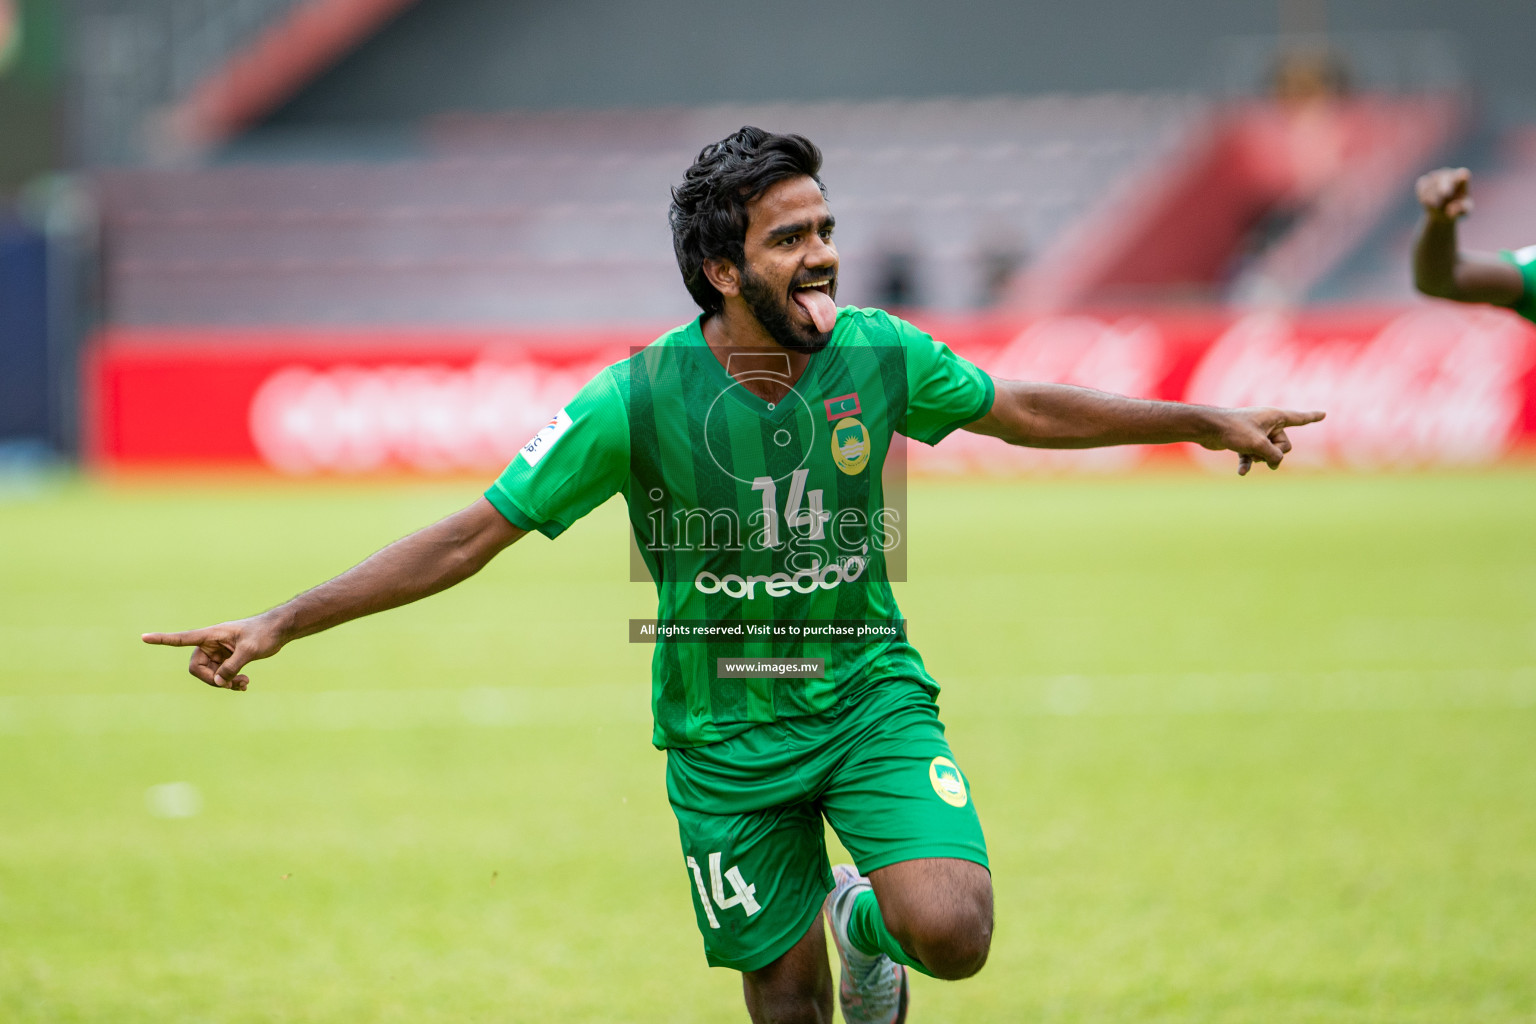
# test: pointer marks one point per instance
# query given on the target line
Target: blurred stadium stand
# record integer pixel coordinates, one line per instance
(298, 161)
(160, 80)
(541, 217)
(359, 200)
(138, 57)
(1261, 208)
(560, 219)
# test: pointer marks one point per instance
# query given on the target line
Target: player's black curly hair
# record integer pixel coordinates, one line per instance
(709, 209)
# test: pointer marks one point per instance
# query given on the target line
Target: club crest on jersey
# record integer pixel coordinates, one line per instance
(947, 781)
(850, 446)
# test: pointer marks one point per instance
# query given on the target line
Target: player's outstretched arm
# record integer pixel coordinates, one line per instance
(429, 560)
(1443, 270)
(1062, 416)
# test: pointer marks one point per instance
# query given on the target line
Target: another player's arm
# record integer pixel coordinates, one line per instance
(1443, 270)
(429, 560)
(1062, 416)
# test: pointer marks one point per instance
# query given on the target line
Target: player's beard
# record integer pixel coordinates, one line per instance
(777, 313)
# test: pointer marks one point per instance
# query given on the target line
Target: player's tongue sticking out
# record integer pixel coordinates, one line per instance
(819, 305)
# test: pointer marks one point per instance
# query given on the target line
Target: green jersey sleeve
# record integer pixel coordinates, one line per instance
(577, 461)
(944, 391)
(1525, 262)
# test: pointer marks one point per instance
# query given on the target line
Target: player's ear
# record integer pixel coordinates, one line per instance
(723, 275)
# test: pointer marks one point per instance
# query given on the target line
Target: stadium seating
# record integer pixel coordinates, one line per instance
(553, 219)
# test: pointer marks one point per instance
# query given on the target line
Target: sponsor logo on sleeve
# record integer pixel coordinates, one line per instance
(545, 439)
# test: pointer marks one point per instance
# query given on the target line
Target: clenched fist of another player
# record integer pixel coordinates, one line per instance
(1447, 193)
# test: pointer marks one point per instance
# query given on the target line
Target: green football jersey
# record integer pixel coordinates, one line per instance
(765, 526)
(1525, 262)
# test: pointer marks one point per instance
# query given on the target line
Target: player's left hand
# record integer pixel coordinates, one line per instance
(1257, 434)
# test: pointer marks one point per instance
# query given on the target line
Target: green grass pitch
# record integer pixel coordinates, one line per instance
(1246, 750)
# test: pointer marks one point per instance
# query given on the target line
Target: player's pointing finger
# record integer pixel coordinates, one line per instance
(1292, 418)
(190, 638)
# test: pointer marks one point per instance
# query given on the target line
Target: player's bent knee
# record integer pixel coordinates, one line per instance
(958, 965)
(955, 944)
(957, 952)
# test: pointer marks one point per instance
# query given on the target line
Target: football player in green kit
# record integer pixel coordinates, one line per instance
(1443, 270)
(749, 445)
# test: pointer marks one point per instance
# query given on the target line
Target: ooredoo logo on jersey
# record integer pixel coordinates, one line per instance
(820, 576)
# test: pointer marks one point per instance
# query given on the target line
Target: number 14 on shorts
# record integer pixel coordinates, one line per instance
(742, 894)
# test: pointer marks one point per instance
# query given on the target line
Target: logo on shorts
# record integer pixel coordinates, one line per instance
(947, 781)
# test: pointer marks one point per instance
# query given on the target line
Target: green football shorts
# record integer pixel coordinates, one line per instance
(750, 809)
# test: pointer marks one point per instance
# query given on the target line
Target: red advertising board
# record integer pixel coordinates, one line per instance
(1429, 385)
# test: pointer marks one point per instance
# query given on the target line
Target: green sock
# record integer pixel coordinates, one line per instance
(867, 932)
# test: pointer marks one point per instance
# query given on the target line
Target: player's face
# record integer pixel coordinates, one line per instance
(789, 249)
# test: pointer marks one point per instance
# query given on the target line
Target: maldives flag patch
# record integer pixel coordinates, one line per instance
(842, 405)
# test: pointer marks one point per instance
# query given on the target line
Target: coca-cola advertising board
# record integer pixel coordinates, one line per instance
(1433, 385)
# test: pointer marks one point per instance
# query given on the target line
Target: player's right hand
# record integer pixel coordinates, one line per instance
(1257, 435)
(1446, 194)
(223, 650)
